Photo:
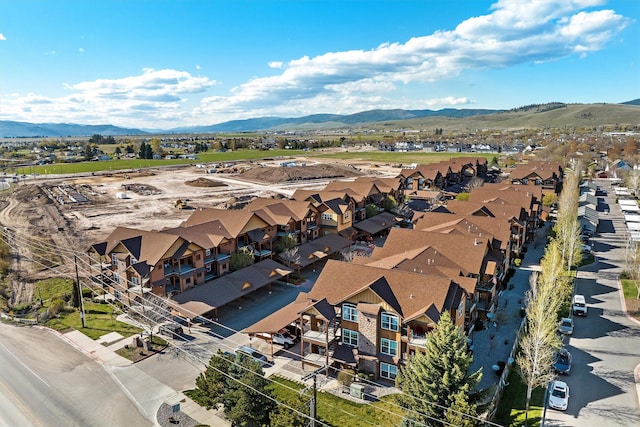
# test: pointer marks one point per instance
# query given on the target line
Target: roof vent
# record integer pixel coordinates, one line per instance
(475, 242)
(410, 296)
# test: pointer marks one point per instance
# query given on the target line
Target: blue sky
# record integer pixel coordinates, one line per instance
(170, 63)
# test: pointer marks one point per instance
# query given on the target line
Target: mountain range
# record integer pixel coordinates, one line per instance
(626, 112)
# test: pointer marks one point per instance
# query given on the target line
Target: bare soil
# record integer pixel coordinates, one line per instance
(75, 211)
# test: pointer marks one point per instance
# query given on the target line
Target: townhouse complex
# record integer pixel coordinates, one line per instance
(372, 311)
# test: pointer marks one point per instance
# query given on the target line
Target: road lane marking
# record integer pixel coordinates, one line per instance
(26, 367)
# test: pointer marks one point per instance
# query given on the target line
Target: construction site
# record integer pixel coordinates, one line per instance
(75, 211)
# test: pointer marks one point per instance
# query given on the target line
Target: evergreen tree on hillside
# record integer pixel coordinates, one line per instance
(436, 385)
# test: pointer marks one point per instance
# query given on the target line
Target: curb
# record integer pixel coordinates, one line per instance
(71, 343)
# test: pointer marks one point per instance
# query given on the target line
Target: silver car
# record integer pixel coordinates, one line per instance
(566, 326)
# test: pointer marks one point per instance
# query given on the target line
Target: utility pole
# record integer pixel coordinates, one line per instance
(82, 314)
(313, 402)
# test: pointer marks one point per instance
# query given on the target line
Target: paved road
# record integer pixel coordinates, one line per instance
(606, 344)
(58, 386)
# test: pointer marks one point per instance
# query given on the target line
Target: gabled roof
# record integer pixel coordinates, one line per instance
(544, 170)
(409, 294)
(234, 221)
(281, 210)
(148, 246)
(357, 189)
(518, 198)
(477, 226)
(314, 250)
(497, 210)
(465, 252)
(377, 223)
(386, 185)
(536, 190)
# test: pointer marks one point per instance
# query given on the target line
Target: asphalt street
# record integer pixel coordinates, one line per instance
(56, 387)
(605, 344)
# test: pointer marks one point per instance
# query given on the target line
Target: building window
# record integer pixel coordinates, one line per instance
(134, 281)
(350, 337)
(114, 259)
(208, 268)
(525, 181)
(134, 260)
(460, 310)
(207, 252)
(116, 278)
(349, 312)
(389, 322)
(327, 217)
(346, 215)
(197, 257)
(388, 371)
(389, 347)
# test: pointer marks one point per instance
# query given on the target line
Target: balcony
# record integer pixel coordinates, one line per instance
(320, 336)
(417, 340)
(179, 269)
(317, 359)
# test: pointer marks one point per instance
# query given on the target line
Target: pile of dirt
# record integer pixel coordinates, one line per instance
(300, 173)
(205, 182)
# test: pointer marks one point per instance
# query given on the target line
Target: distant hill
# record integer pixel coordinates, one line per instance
(329, 121)
(11, 129)
(554, 114)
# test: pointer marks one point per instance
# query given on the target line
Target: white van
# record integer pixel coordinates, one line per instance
(579, 306)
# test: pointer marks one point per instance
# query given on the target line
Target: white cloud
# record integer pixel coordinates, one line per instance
(81, 50)
(2, 37)
(153, 96)
(514, 32)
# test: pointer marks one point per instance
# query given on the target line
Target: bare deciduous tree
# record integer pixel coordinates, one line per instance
(540, 339)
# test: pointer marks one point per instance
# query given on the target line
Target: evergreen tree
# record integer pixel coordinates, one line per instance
(436, 385)
(239, 386)
(241, 259)
(143, 150)
(148, 152)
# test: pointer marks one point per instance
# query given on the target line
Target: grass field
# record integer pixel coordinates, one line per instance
(100, 319)
(233, 156)
(511, 410)
(125, 164)
(403, 158)
(336, 411)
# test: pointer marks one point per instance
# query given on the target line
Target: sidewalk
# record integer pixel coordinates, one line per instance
(494, 343)
(153, 398)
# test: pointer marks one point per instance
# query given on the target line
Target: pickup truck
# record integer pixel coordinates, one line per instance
(279, 338)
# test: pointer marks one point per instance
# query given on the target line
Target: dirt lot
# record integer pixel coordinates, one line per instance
(76, 211)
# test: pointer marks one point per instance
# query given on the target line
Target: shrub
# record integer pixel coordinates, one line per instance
(517, 262)
(346, 377)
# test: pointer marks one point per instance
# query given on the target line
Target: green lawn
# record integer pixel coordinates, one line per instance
(337, 411)
(404, 158)
(231, 156)
(124, 164)
(629, 288)
(100, 319)
(511, 410)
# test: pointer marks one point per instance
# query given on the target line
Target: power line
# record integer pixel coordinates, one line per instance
(70, 253)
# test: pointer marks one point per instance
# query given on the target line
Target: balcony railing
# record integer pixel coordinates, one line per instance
(321, 336)
(179, 269)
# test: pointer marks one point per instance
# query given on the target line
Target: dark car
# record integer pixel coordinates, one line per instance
(170, 329)
(563, 362)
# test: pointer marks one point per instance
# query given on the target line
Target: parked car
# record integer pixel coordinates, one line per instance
(579, 305)
(282, 339)
(245, 351)
(294, 331)
(563, 362)
(559, 395)
(566, 326)
(586, 249)
(170, 329)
